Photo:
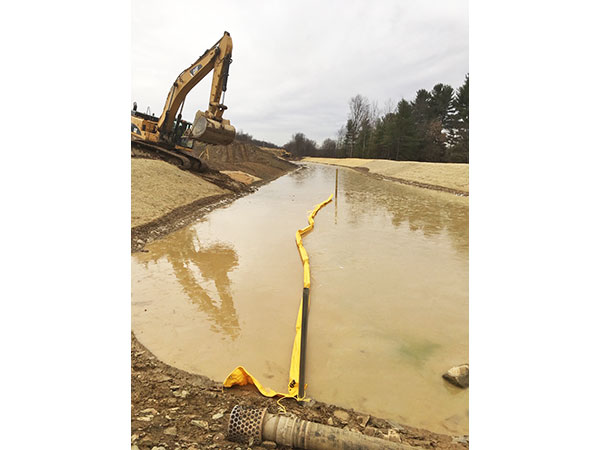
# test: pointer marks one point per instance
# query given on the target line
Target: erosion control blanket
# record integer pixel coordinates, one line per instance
(240, 376)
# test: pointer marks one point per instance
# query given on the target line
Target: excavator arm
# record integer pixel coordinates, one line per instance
(217, 58)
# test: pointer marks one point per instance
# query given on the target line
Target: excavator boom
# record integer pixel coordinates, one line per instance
(173, 138)
(218, 57)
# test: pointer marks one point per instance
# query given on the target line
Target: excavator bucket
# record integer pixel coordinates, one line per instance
(211, 131)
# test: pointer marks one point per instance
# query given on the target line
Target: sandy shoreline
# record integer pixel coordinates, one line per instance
(453, 178)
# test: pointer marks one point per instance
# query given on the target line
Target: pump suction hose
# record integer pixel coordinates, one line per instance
(256, 425)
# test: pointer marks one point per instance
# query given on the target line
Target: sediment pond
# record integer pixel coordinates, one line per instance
(389, 294)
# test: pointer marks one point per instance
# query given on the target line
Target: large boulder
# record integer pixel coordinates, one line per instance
(458, 376)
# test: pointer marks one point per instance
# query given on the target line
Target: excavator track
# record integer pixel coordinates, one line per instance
(179, 159)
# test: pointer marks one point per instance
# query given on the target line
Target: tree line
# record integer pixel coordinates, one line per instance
(433, 127)
(245, 137)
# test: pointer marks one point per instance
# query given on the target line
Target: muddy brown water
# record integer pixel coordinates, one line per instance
(389, 294)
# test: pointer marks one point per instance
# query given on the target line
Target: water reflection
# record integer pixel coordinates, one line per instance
(214, 262)
(302, 174)
(425, 211)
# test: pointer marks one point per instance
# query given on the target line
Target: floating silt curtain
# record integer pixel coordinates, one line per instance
(240, 376)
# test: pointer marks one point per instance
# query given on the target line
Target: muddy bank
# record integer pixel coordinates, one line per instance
(445, 177)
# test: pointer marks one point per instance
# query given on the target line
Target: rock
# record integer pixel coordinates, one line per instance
(181, 394)
(393, 436)
(134, 437)
(159, 448)
(461, 439)
(330, 421)
(172, 431)
(145, 418)
(149, 411)
(372, 431)
(217, 416)
(174, 387)
(342, 415)
(139, 241)
(135, 447)
(162, 377)
(396, 426)
(379, 423)
(363, 420)
(458, 376)
(218, 437)
(269, 444)
(200, 423)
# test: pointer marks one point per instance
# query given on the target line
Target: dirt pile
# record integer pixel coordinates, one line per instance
(247, 158)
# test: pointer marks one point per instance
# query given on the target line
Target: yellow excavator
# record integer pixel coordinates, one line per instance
(174, 139)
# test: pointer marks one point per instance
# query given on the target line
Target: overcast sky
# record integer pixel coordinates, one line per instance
(296, 64)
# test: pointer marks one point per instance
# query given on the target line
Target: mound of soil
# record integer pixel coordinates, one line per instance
(247, 158)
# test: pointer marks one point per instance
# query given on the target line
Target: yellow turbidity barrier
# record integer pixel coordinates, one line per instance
(240, 376)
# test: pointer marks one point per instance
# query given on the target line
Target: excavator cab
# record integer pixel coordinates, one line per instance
(181, 131)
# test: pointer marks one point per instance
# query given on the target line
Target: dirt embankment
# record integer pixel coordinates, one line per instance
(157, 188)
(453, 178)
(171, 408)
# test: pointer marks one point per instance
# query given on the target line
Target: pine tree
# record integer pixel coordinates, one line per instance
(440, 102)
(459, 150)
(407, 136)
